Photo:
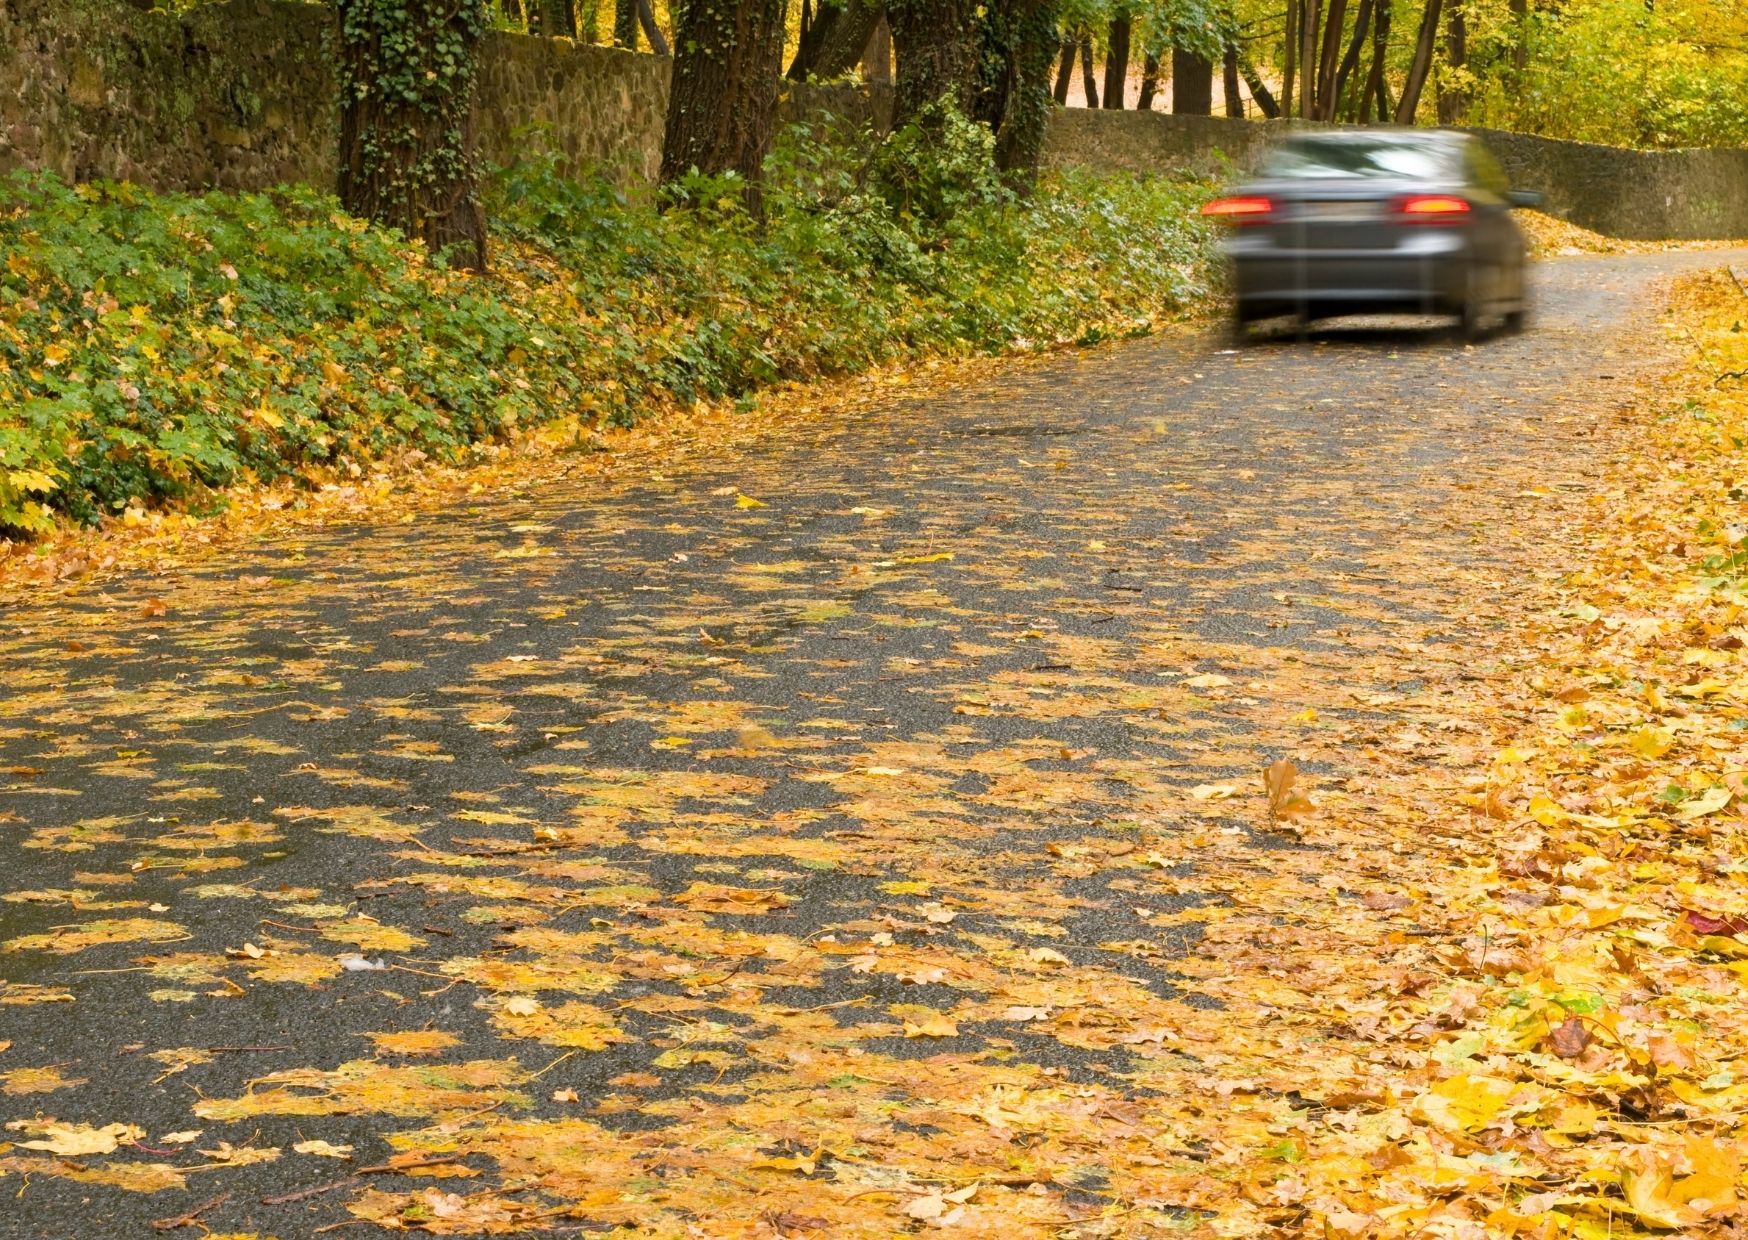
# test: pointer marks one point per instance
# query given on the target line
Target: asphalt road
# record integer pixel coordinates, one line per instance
(585, 745)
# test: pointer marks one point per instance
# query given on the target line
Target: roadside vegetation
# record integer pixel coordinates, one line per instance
(156, 349)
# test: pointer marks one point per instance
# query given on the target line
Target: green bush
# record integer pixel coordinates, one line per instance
(155, 347)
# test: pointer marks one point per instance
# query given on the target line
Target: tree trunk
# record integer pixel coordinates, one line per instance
(556, 18)
(876, 57)
(1149, 82)
(1350, 61)
(513, 13)
(1065, 68)
(937, 55)
(722, 106)
(1088, 84)
(1418, 68)
(1519, 35)
(1310, 12)
(1229, 83)
(1376, 98)
(1289, 71)
(1030, 47)
(837, 40)
(1259, 91)
(1117, 62)
(407, 81)
(832, 45)
(646, 18)
(1328, 53)
(625, 24)
(1374, 102)
(1192, 83)
(1453, 99)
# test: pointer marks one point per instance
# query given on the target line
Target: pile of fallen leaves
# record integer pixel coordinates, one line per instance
(1552, 237)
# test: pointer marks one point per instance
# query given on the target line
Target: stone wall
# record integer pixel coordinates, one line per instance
(240, 95)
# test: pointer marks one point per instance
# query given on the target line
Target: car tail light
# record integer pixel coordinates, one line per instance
(1433, 208)
(1240, 210)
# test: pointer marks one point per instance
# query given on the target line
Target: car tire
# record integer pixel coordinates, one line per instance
(1471, 314)
(1517, 321)
(1237, 331)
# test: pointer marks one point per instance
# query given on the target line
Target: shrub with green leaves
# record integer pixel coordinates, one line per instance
(157, 347)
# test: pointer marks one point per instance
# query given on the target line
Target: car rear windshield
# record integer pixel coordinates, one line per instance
(1365, 159)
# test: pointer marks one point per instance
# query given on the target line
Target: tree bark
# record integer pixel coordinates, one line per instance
(1192, 83)
(1310, 12)
(1259, 90)
(1376, 98)
(646, 18)
(1030, 43)
(407, 83)
(625, 24)
(1065, 68)
(1289, 72)
(1149, 82)
(876, 57)
(1329, 51)
(722, 106)
(832, 45)
(1229, 83)
(1418, 68)
(1088, 84)
(937, 55)
(556, 18)
(1117, 61)
(1453, 99)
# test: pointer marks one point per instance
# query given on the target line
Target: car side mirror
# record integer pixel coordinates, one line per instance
(1525, 198)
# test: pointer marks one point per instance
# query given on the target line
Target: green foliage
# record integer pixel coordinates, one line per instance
(153, 347)
(1615, 71)
(939, 165)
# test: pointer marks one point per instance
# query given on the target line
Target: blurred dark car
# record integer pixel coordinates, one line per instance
(1377, 221)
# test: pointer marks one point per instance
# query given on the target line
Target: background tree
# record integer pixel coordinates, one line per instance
(833, 37)
(723, 102)
(1117, 58)
(407, 80)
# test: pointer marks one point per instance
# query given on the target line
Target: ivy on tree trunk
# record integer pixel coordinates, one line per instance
(1019, 44)
(407, 80)
(723, 104)
(935, 41)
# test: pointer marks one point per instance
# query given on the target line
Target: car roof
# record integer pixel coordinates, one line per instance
(1390, 133)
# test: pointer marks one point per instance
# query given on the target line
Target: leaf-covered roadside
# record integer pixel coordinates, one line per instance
(156, 348)
(1533, 1021)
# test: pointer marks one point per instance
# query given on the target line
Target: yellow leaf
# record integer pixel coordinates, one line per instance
(1650, 742)
(70, 1140)
(1214, 792)
(747, 501)
(1208, 680)
(938, 1026)
(321, 1149)
(1708, 802)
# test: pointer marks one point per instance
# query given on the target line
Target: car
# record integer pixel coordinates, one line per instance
(1377, 221)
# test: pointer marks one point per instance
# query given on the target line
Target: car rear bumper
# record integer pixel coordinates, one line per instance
(1323, 282)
